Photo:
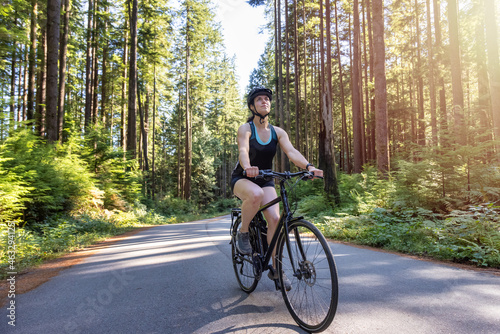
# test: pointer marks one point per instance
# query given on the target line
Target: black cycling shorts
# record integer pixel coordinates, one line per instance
(260, 182)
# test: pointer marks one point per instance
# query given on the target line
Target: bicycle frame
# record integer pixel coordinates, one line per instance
(285, 219)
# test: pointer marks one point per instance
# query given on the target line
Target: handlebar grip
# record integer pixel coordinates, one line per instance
(311, 176)
(245, 174)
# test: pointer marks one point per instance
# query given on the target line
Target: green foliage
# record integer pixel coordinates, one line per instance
(467, 237)
(52, 178)
(13, 194)
(404, 215)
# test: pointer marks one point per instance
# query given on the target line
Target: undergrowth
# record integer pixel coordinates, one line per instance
(375, 212)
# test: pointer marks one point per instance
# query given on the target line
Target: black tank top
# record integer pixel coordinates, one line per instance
(261, 154)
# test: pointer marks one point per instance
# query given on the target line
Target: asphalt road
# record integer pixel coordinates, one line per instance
(179, 279)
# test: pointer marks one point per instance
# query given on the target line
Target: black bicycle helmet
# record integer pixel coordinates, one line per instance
(256, 92)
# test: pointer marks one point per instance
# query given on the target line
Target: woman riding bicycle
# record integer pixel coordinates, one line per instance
(257, 143)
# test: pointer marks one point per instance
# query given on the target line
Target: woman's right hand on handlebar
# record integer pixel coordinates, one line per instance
(252, 171)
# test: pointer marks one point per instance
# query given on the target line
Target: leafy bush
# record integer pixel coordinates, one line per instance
(13, 195)
(469, 236)
(56, 177)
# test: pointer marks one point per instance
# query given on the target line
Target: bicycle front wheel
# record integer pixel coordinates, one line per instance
(309, 265)
(242, 264)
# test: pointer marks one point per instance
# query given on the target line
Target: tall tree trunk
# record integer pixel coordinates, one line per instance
(188, 153)
(305, 56)
(345, 137)
(443, 120)
(88, 68)
(12, 102)
(322, 81)
(95, 66)
(356, 103)
(493, 65)
(123, 128)
(369, 119)
(144, 133)
(331, 186)
(420, 81)
(132, 84)
(297, 76)
(432, 86)
(153, 186)
(381, 135)
(180, 179)
(287, 81)
(41, 82)
(277, 59)
(30, 109)
(279, 93)
(25, 84)
(53, 23)
(104, 78)
(62, 68)
(456, 74)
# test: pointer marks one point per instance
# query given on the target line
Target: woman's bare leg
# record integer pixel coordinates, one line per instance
(272, 215)
(251, 196)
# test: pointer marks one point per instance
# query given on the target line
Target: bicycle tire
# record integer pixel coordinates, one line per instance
(242, 264)
(313, 299)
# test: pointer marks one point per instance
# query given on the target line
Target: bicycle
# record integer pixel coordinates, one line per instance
(302, 254)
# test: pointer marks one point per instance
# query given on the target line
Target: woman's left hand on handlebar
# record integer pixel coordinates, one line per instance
(316, 172)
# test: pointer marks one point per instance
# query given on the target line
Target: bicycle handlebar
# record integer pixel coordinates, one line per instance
(285, 175)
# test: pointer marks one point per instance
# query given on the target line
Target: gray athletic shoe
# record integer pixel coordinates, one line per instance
(243, 243)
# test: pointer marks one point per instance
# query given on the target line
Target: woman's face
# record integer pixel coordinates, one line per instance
(262, 104)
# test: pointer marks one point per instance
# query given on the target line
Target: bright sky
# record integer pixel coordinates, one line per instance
(241, 24)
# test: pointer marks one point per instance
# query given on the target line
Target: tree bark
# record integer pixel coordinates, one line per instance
(95, 66)
(297, 76)
(443, 120)
(381, 134)
(331, 186)
(132, 86)
(62, 69)
(420, 82)
(493, 65)
(104, 78)
(144, 134)
(123, 128)
(12, 102)
(188, 153)
(30, 108)
(345, 137)
(356, 106)
(306, 115)
(88, 68)
(53, 23)
(456, 74)
(432, 86)
(41, 82)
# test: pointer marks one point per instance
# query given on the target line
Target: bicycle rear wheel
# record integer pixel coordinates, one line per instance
(312, 301)
(242, 264)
